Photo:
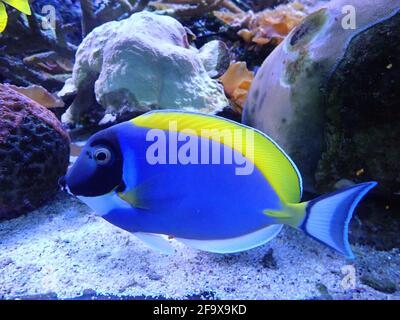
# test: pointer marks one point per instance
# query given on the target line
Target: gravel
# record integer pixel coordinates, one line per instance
(63, 250)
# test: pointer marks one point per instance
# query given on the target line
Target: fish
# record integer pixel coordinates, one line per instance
(205, 181)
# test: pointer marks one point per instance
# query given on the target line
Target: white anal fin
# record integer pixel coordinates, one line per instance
(243, 243)
(156, 242)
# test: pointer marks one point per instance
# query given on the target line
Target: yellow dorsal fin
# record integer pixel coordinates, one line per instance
(20, 5)
(267, 156)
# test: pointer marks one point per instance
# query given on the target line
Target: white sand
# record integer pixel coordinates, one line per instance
(64, 248)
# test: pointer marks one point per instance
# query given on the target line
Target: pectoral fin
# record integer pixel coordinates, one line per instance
(147, 195)
(156, 242)
(133, 199)
(141, 195)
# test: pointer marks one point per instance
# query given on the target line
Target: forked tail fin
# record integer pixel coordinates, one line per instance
(327, 218)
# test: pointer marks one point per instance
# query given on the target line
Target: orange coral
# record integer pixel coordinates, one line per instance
(237, 81)
(40, 95)
(268, 26)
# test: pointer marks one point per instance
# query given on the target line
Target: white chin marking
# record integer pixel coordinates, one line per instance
(102, 205)
(69, 191)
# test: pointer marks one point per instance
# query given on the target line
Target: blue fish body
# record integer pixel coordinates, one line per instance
(192, 201)
(222, 195)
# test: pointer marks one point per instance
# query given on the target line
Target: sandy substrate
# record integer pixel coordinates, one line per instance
(64, 249)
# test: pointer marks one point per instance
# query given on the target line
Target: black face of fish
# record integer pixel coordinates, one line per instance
(98, 169)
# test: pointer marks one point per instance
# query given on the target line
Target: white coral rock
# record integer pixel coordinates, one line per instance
(138, 64)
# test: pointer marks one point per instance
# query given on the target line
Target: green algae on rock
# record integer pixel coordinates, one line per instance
(34, 153)
(327, 96)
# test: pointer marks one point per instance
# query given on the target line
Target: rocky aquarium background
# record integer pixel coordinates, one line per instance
(327, 92)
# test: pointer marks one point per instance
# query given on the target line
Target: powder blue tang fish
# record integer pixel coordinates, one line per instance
(163, 174)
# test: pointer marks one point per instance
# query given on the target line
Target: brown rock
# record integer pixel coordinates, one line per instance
(34, 153)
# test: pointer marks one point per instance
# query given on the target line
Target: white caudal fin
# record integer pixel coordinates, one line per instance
(327, 218)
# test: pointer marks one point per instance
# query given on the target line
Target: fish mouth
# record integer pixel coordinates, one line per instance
(62, 182)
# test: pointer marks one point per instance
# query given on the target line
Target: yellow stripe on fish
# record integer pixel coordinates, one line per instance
(266, 155)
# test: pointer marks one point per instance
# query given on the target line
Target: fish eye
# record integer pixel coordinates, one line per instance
(102, 156)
